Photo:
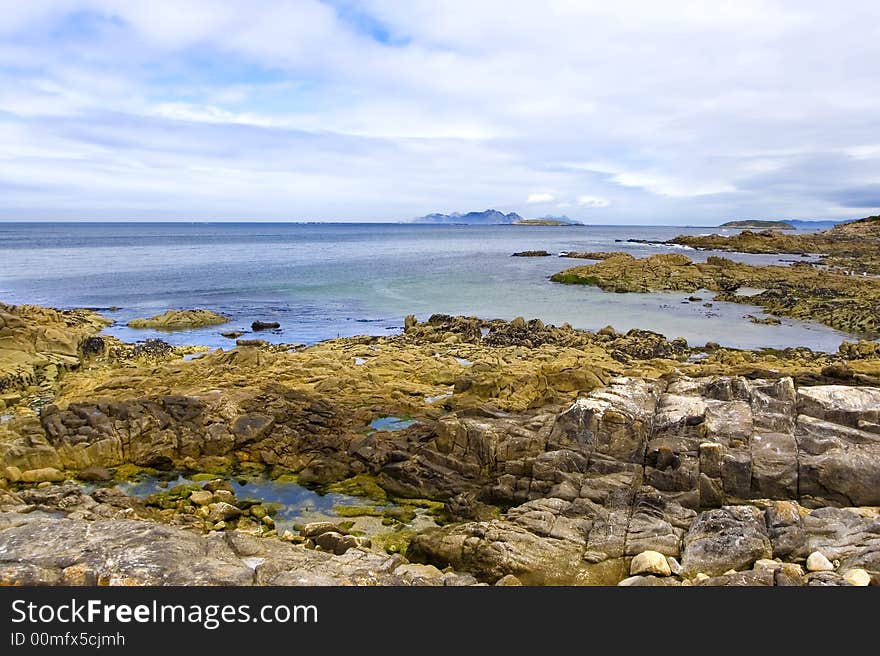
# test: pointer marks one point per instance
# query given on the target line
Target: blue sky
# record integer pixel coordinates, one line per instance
(625, 112)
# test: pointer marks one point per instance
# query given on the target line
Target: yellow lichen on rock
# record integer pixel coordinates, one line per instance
(180, 320)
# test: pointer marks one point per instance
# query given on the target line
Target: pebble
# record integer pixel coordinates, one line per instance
(817, 562)
(857, 576)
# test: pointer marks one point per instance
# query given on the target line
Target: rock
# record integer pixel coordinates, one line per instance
(731, 537)
(838, 300)
(766, 563)
(790, 574)
(225, 496)
(265, 325)
(330, 541)
(180, 320)
(817, 562)
(94, 474)
(201, 497)
(119, 550)
(42, 475)
(217, 485)
(314, 529)
(412, 571)
(531, 254)
(650, 562)
(826, 579)
(232, 334)
(251, 343)
(763, 577)
(857, 576)
(508, 580)
(647, 581)
(12, 474)
(222, 511)
(674, 566)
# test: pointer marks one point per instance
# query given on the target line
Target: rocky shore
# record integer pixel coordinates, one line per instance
(852, 248)
(546, 455)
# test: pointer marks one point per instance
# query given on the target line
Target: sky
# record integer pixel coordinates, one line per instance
(624, 112)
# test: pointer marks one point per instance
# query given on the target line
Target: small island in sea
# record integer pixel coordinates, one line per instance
(494, 217)
(759, 225)
(550, 221)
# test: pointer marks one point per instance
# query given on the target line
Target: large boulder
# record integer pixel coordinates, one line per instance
(731, 537)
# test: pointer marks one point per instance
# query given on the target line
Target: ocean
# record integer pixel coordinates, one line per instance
(322, 281)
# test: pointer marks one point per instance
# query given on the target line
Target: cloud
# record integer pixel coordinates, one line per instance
(378, 109)
(592, 202)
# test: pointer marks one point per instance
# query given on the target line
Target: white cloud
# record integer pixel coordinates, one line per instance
(593, 202)
(673, 110)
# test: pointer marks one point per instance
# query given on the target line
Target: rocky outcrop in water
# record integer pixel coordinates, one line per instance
(180, 320)
(849, 247)
(801, 291)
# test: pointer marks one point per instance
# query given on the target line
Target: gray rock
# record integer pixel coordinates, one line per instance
(222, 511)
(732, 537)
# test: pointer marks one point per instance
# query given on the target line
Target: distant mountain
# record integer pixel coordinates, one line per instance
(486, 217)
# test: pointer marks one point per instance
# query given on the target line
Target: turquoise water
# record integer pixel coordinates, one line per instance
(327, 280)
(391, 424)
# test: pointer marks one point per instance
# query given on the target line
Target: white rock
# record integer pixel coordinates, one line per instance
(674, 566)
(650, 562)
(817, 562)
(857, 576)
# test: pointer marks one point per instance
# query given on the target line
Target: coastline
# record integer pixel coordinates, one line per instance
(518, 424)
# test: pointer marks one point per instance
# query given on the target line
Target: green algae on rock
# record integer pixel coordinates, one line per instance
(801, 291)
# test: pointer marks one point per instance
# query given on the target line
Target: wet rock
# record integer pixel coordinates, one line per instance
(265, 325)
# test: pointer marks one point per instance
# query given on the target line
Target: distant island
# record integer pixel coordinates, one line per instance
(755, 223)
(486, 217)
(550, 221)
(493, 217)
